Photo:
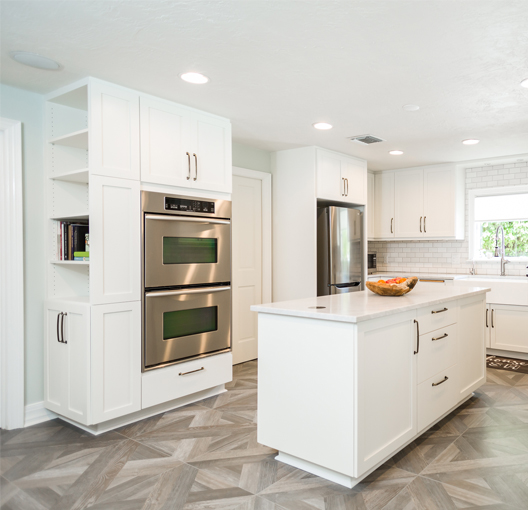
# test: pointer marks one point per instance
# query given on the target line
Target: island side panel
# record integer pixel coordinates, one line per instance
(306, 388)
(386, 387)
(472, 344)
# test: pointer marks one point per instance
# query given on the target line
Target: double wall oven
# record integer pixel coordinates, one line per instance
(186, 278)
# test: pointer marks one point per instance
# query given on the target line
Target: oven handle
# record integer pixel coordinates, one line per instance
(185, 218)
(205, 290)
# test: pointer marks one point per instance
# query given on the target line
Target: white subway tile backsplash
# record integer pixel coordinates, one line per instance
(452, 256)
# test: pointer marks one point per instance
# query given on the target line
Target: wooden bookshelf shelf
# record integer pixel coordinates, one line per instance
(80, 176)
(77, 139)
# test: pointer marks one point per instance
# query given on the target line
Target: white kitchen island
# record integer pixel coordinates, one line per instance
(346, 381)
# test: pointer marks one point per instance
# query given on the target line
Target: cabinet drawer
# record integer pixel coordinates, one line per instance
(166, 384)
(435, 317)
(437, 351)
(435, 399)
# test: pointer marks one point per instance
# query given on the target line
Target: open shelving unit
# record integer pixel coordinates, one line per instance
(67, 164)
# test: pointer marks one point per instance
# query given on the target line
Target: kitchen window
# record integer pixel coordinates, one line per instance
(493, 207)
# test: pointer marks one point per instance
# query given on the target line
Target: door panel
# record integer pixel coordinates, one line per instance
(247, 265)
(356, 181)
(329, 181)
(384, 203)
(509, 327)
(408, 203)
(439, 202)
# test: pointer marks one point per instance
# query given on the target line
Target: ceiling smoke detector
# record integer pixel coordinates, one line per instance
(366, 139)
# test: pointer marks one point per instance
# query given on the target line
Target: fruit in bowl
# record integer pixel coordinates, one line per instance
(393, 287)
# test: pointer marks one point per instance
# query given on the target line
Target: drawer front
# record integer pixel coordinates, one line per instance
(437, 316)
(435, 399)
(166, 384)
(438, 350)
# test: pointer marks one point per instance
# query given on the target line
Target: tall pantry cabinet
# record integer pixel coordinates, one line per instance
(93, 332)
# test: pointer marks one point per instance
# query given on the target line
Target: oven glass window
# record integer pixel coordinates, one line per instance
(190, 322)
(190, 250)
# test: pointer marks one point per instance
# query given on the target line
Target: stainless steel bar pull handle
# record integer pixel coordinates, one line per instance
(343, 179)
(417, 337)
(188, 219)
(189, 164)
(58, 320)
(392, 222)
(445, 335)
(441, 382)
(487, 317)
(420, 223)
(62, 328)
(492, 317)
(203, 290)
(425, 227)
(346, 180)
(439, 311)
(195, 166)
(192, 371)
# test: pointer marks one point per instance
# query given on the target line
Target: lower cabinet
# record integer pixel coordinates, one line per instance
(92, 360)
(507, 327)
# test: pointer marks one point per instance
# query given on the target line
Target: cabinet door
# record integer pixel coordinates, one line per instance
(67, 362)
(330, 184)
(439, 202)
(509, 327)
(384, 205)
(370, 206)
(166, 147)
(355, 175)
(115, 243)
(471, 345)
(387, 396)
(116, 360)
(211, 165)
(488, 326)
(113, 131)
(408, 203)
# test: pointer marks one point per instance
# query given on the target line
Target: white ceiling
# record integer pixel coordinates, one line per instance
(276, 67)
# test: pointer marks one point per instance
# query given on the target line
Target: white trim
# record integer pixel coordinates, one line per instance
(488, 192)
(37, 413)
(266, 228)
(12, 277)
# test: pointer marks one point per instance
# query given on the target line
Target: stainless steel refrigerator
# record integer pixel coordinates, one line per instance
(339, 250)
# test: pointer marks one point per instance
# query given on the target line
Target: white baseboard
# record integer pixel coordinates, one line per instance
(37, 413)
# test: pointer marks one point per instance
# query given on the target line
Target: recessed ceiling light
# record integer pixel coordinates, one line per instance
(410, 107)
(396, 153)
(470, 141)
(524, 83)
(322, 125)
(196, 78)
(34, 60)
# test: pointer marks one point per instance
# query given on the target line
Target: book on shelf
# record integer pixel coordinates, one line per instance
(71, 238)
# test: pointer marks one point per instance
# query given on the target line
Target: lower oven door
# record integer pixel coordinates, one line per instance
(185, 324)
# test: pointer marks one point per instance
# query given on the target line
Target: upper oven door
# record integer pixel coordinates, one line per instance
(184, 250)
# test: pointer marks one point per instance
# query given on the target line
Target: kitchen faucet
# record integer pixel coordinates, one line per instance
(503, 260)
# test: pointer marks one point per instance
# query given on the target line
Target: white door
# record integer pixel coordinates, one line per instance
(355, 175)
(247, 265)
(384, 204)
(408, 203)
(439, 202)
(330, 183)
(166, 147)
(509, 327)
(211, 159)
(370, 205)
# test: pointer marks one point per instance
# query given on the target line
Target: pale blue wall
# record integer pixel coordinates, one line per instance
(248, 157)
(27, 107)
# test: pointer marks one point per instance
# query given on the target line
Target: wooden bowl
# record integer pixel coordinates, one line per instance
(396, 289)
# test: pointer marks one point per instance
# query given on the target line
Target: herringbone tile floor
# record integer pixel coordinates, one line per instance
(205, 456)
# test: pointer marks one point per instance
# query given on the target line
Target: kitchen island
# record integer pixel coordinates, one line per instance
(346, 381)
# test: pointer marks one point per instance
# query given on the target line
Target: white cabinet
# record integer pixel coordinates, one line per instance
(67, 359)
(183, 147)
(113, 130)
(341, 178)
(384, 205)
(408, 203)
(420, 203)
(508, 327)
(115, 238)
(371, 210)
(116, 360)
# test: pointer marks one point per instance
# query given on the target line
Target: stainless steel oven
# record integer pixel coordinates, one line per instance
(186, 278)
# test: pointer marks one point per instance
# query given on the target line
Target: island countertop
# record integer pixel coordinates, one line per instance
(365, 305)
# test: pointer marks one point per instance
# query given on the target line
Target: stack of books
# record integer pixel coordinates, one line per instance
(71, 239)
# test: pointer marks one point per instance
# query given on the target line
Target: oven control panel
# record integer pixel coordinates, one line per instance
(181, 204)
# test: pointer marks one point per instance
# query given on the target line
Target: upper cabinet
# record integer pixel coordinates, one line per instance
(341, 178)
(420, 203)
(371, 216)
(183, 147)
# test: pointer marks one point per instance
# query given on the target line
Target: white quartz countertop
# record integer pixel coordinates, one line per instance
(425, 276)
(365, 305)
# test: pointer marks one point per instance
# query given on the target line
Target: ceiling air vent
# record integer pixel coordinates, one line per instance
(366, 139)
